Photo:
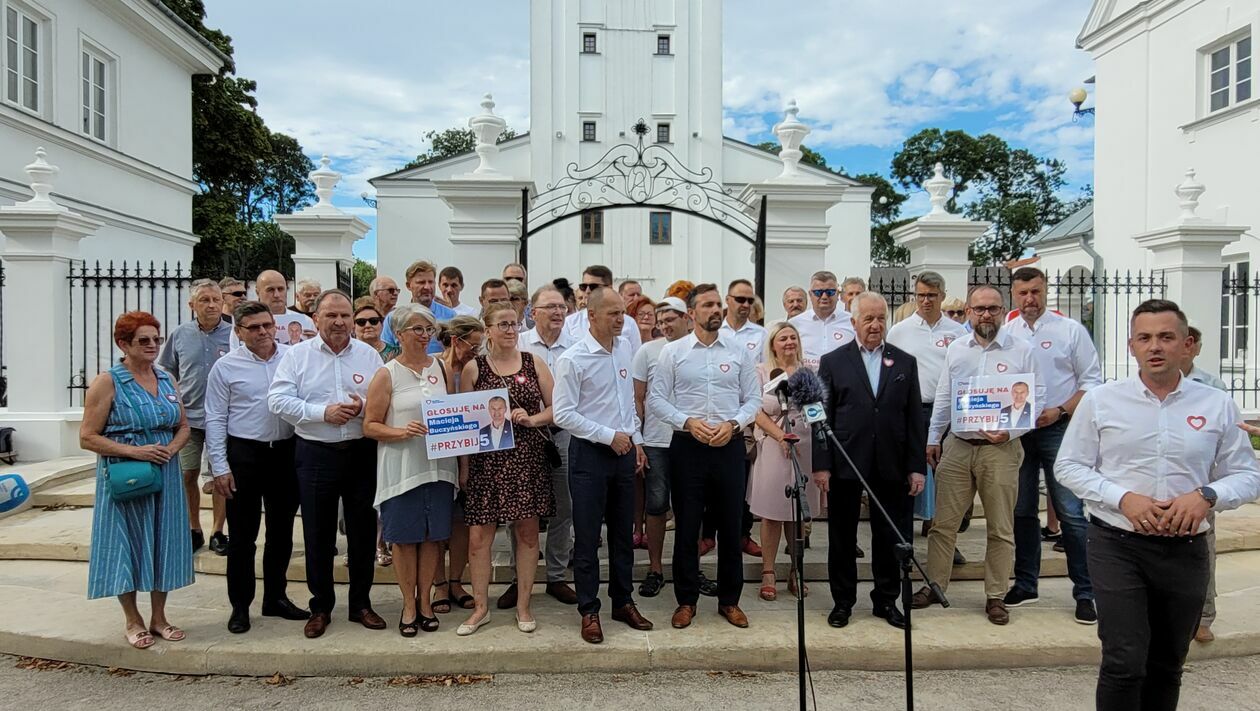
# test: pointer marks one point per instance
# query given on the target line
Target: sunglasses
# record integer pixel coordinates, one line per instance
(744, 300)
(390, 291)
(236, 294)
(588, 287)
(258, 327)
(148, 340)
(952, 312)
(819, 293)
(371, 321)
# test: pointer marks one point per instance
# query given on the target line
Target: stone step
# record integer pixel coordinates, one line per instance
(47, 616)
(65, 535)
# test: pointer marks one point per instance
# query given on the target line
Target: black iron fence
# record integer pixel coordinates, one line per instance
(100, 293)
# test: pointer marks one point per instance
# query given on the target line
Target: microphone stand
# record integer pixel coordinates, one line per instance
(904, 551)
(796, 492)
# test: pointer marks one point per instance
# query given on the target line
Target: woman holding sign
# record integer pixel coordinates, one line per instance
(507, 485)
(414, 494)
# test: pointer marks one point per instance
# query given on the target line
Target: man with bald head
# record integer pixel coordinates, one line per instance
(273, 292)
(874, 407)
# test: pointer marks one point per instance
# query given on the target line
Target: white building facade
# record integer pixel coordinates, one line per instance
(596, 68)
(104, 86)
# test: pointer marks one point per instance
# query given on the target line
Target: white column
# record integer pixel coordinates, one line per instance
(323, 235)
(939, 240)
(1189, 253)
(42, 238)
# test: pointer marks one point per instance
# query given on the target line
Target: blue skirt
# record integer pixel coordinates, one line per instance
(925, 502)
(419, 515)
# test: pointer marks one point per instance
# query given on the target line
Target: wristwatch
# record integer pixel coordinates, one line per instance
(734, 425)
(1209, 494)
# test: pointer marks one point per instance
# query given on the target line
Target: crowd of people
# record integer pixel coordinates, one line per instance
(626, 415)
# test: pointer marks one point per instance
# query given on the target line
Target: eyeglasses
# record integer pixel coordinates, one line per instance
(506, 326)
(588, 287)
(148, 340)
(744, 300)
(370, 321)
(819, 293)
(392, 291)
(236, 294)
(551, 307)
(258, 327)
(421, 330)
(927, 297)
(990, 310)
(954, 313)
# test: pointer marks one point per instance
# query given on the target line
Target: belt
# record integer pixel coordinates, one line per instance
(1146, 537)
(261, 443)
(978, 442)
(342, 445)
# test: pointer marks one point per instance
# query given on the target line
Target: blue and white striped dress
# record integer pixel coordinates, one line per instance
(141, 545)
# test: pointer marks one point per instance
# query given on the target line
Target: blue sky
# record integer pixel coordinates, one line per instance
(364, 88)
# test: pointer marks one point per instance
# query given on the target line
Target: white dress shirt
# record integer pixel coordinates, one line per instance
(751, 336)
(496, 435)
(821, 336)
(593, 396)
(531, 342)
(871, 359)
(578, 324)
(236, 403)
(1066, 358)
(715, 383)
(656, 431)
(966, 358)
(1123, 438)
(927, 343)
(311, 377)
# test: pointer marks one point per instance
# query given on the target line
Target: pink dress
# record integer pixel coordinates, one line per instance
(772, 471)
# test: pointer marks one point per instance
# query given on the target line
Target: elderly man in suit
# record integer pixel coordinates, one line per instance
(874, 406)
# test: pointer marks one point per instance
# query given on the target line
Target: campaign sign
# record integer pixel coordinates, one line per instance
(467, 423)
(995, 402)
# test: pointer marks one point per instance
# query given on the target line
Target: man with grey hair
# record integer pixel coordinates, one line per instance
(384, 292)
(304, 294)
(850, 288)
(233, 293)
(826, 325)
(795, 301)
(190, 352)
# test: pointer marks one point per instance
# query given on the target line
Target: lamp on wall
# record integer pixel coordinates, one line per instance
(1077, 96)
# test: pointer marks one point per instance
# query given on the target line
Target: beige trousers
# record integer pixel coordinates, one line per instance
(993, 471)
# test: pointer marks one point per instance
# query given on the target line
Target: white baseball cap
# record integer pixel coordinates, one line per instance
(673, 303)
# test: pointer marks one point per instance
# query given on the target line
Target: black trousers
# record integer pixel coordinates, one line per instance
(844, 503)
(1149, 592)
(601, 485)
(711, 517)
(698, 471)
(265, 478)
(328, 473)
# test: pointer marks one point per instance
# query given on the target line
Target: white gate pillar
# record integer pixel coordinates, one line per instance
(42, 238)
(939, 240)
(323, 235)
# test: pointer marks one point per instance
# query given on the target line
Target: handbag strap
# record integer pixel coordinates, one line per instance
(120, 390)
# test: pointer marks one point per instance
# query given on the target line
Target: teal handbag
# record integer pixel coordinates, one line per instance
(131, 479)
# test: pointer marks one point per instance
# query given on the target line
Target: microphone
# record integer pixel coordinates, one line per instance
(807, 392)
(778, 385)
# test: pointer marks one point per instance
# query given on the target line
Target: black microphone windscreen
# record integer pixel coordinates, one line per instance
(776, 373)
(804, 387)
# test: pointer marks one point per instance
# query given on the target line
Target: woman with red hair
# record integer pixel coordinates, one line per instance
(642, 311)
(133, 412)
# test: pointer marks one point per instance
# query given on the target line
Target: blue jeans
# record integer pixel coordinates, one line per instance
(1041, 446)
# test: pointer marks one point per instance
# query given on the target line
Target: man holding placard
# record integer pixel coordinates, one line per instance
(980, 452)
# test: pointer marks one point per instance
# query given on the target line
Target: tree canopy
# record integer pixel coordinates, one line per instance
(452, 142)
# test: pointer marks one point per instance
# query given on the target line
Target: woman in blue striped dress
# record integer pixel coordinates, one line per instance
(140, 545)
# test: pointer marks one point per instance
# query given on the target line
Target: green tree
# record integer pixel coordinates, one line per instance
(452, 142)
(1013, 188)
(362, 274)
(885, 213)
(809, 156)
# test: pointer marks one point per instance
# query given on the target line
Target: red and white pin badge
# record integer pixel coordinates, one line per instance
(944, 342)
(520, 377)
(358, 379)
(433, 379)
(622, 373)
(1001, 367)
(1196, 421)
(752, 346)
(888, 362)
(838, 335)
(1046, 345)
(172, 398)
(725, 367)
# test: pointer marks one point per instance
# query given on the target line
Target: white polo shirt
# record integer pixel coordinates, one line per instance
(1066, 358)
(821, 336)
(927, 343)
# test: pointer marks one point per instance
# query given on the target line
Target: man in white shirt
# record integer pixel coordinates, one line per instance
(707, 389)
(251, 457)
(579, 322)
(740, 329)
(1067, 365)
(319, 388)
(593, 400)
(451, 284)
(1152, 456)
(926, 334)
(826, 326)
(969, 461)
(671, 318)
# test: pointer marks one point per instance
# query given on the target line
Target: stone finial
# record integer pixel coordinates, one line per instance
(790, 132)
(487, 127)
(938, 188)
(41, 174)
(1188, 193)
(325, 179)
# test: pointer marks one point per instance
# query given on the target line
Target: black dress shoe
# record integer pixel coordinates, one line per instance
(198, 539)
(839, 617)
(892, 615)
(219, 543)
(707, 587)
(238, 623)
(284, 608)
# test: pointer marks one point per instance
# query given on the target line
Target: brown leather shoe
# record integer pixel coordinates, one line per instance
(924, 598)
(560, 591)
(591, 631)
(630, 615)
(368, 618)
(1203, 634)
(996, 610)
(682, 616)
(316, 625)
(733, 615)
(508, 599)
